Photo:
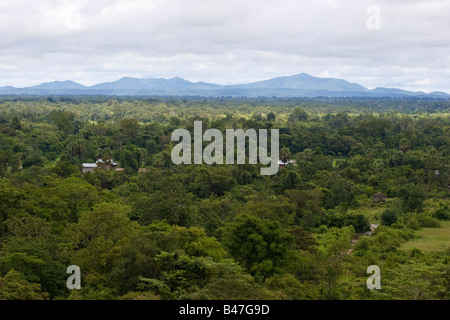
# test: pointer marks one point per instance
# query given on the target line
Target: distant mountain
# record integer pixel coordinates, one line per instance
(391, 91)
(300, 85)
(439, 94)
(59, 85)
(305, 81)
(7, 90)
(128, 83)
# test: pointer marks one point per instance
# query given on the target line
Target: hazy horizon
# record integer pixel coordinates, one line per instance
(169, 78)
(231, 42)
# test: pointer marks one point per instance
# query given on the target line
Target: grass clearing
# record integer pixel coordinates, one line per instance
(431, 239)
(372, 212)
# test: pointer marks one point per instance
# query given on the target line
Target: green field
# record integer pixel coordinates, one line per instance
(431, 239)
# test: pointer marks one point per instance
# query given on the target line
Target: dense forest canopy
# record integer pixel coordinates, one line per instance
(155, 230)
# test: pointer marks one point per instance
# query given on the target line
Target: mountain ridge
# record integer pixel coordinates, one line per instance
(298, 85)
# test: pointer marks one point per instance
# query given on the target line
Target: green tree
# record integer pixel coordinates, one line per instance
(78, 194)
(413, 281)
(97, 239)
(413, 197)
(64, 120)
(389, 217)
(271, 116)
(259, 244)
(14, 286)
(168, 260)
(298, 114)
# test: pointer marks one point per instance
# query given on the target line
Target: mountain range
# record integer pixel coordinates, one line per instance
(300, 85)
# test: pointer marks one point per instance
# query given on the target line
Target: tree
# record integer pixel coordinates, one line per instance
(413, 197)
(64, 120)
(167, 260)
(10, 199)
(129, 161)
(285, 154)
(341, 190)
(78, 195)
(97, 239)
(306, 201)
(389, 217)
(359, 221)
(35, 256)
(65, 169)
(393, 158)
(129, 129)
(229, 282)
(271, 116)
(172, 206)
(332, 241)
(404, 145)
(260, 245)
(298, 114)
(15, 123)
(77, 147)
(290, 288)
(14, 286)
(413, 281)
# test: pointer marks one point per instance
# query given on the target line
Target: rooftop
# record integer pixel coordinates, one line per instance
(89, 165)
(94, 165)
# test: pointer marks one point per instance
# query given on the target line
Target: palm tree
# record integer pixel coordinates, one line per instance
(285, 154)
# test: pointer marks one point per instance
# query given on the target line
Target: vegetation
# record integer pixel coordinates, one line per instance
(431, 239)
(159, 231)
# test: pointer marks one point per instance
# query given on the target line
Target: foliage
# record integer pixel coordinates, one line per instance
(155, 230)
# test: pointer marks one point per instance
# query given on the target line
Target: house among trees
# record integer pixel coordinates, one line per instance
(379, 197)
(99, 164)
(282, 164)
(89, 167)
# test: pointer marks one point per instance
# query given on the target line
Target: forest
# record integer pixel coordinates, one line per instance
(147, 229)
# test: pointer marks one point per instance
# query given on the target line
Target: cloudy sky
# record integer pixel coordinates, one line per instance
(401, 43)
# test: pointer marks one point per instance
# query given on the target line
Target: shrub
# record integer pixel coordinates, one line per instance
(442, 213)
(426, 221)
(389, 217)
(359, 222)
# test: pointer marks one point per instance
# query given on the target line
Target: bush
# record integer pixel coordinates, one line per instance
(426, 221)
(359, 222)
(389, 217)
(442, 213)
(413, 224)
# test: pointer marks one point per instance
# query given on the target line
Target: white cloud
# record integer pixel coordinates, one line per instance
(225, 41)
(66, 13)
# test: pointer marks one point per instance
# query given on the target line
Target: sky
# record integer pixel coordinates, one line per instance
(376, 43)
